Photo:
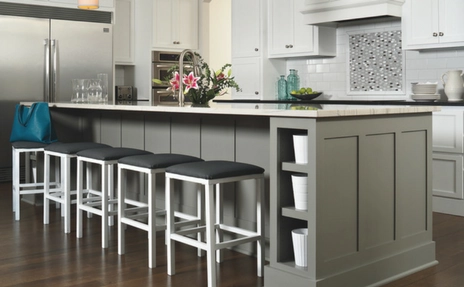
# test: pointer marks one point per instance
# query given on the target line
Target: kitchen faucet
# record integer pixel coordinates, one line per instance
(196, 73)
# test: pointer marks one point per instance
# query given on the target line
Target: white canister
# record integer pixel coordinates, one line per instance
(300, 191)
(300, 246)
(300, 146)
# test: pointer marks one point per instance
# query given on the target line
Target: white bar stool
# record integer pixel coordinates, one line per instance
(62, 192)
(100, 202)
(135, 213)
(30, 150)
(210, 174)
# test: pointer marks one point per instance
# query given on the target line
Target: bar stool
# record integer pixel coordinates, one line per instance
(100, 202)
(133, 213)
(62, 193)
(210, 174)
(30, 150)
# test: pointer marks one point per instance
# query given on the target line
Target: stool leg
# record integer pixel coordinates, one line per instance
(104, 194)
(65, 182)
(219, 220)
(110, 193)
(58, 174)
(88, 174)
(151, 220)
(170, 225)
(210, 236)
(13, 186)
(260, 225)
(46, 212)
(201, 215)
(121, 211)
(16, 183)
(79, 193)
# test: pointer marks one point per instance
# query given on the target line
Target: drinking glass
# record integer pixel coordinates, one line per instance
(104, 85)
(95, 91)
(80, 89)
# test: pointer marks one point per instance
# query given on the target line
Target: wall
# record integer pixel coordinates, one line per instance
(330, 75)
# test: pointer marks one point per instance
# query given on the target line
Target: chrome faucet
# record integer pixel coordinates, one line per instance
(196, 73)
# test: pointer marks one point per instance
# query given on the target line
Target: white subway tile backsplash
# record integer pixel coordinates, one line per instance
(320, 68)
(436, 63)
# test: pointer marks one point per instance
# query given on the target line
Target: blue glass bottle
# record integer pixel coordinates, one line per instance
(282, 88)
(293, 83)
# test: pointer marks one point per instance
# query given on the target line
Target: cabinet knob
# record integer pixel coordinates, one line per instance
(256, 93)
(291, 46)
(435, 34)
(287, 46)
(256, 49)
(441, 34)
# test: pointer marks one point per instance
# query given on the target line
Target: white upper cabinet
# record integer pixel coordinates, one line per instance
(175, 24)
(246, 23)
(124, 24)
(432, 24)
(289, 36)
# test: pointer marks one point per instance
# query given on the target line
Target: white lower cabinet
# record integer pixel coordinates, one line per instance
(447, 175)
(448, 158)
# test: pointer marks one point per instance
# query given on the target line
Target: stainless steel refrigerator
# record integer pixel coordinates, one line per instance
(41, 50)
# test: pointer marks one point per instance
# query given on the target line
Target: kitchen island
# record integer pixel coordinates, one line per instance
(369, 178)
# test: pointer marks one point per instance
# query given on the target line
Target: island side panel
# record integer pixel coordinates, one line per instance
(252, 145)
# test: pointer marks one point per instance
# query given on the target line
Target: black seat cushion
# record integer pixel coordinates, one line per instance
(72, 148)
(110, 153)
(161, 160)
(214, 169)
(26, 144)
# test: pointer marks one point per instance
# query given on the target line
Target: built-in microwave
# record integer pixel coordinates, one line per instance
(161, 62)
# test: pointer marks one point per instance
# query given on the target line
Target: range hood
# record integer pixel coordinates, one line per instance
(330, 12)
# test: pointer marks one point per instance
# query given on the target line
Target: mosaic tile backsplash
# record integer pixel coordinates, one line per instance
(376, 61)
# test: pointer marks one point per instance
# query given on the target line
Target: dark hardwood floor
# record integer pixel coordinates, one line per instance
(33, 254)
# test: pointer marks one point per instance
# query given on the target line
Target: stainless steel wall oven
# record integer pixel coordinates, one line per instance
(161, 63)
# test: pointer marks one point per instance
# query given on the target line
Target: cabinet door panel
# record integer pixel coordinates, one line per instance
(247, 73)
(124, 32)
(246, 39)
(162, 33)
(303, 34)
(281, 26)
(420, 21)
(448, 131)
(447, 175)
(450, 15)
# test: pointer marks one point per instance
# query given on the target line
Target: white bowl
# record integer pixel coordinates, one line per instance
(424, 88)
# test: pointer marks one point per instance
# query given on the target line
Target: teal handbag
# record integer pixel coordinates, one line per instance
(33, 124)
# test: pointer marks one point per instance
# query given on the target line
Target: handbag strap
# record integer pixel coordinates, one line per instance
(22, 121)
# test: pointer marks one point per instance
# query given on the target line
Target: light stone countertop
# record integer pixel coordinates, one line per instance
(268, 110)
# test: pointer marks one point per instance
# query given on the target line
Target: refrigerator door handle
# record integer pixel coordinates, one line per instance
(46, 95)
(54, 71)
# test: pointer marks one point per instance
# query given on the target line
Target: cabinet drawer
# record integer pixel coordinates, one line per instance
(447, 175)
(448, 131)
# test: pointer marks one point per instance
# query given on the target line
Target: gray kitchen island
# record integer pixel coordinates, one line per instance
(369, 170)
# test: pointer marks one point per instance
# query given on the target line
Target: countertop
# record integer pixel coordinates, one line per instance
(332, 109)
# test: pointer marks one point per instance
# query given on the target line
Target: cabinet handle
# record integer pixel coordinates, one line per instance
(441, 34)
(176, 42)
(435, 34)
(256, 93)
(256, 49)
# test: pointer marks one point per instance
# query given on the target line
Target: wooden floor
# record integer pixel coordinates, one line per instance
(33, 254)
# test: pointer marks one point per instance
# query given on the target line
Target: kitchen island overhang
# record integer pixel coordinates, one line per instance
(369, 209)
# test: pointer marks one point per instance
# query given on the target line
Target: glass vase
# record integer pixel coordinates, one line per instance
(293, 83)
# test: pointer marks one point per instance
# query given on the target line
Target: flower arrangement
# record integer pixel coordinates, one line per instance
(205, 87)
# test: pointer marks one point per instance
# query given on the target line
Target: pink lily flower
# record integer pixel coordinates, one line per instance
(190, 82)
(175, 82)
